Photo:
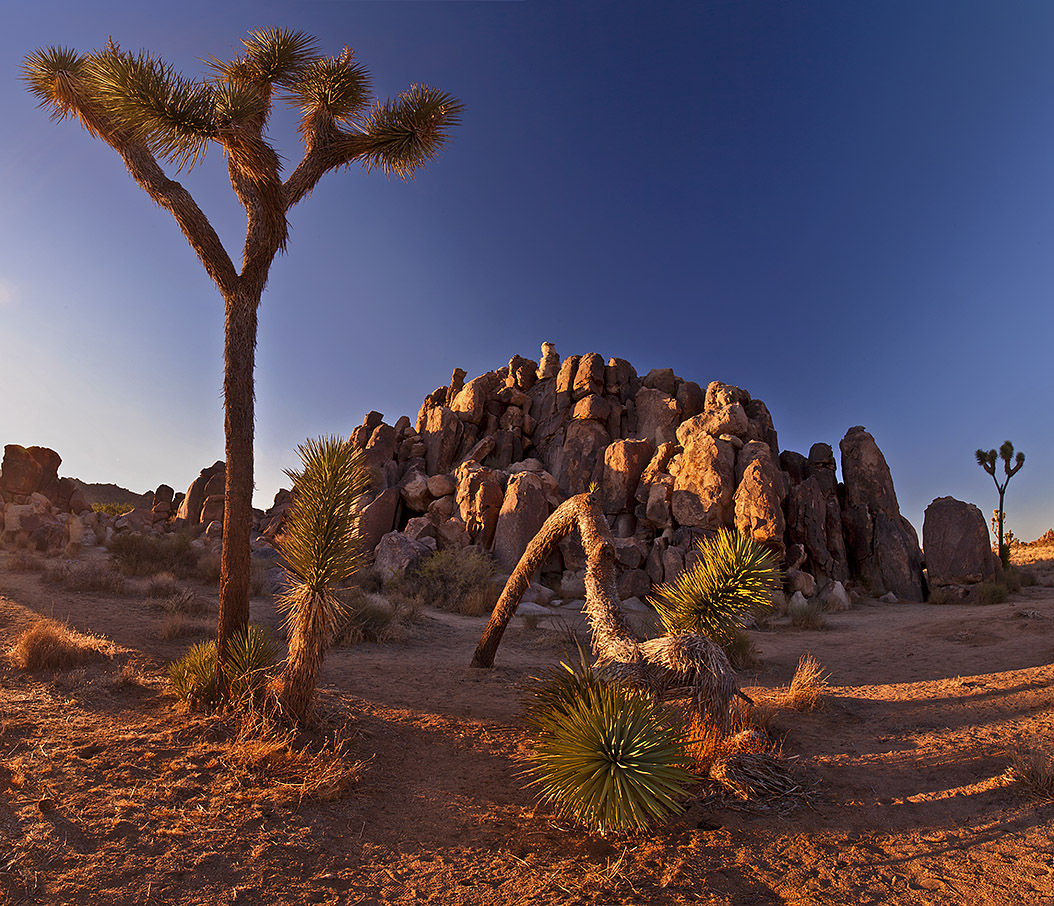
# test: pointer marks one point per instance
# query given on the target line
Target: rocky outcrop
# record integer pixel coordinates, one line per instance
(882, 545)
(957, 545)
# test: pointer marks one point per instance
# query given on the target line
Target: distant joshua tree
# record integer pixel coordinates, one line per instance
(986, 459)
(146, 111)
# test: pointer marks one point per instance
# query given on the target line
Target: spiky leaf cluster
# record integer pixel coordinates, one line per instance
(321, 545)
(407, 133)
(734, 576)
(605, 755)
(250, 655)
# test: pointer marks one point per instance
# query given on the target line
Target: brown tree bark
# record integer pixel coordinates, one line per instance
(239, 355)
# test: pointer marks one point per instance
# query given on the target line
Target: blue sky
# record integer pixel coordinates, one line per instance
(845, 208)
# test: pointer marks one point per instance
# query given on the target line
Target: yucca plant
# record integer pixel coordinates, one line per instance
(321, 547)
(250, 656)
(735, 576)
(605, 755)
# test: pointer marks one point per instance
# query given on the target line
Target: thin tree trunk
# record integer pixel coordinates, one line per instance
(239, 352)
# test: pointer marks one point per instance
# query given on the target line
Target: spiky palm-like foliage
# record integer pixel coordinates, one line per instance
(322, 547)
(986, 459)
(605, 754)
(250, 656)
(148, 112)
(734, 576)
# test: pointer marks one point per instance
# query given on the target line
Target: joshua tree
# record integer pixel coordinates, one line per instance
(321, 547)
(986, 459)
(147, 112)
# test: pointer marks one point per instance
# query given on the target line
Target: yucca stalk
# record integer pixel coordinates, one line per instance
(321, 547)
(605, 755)
(148, 112)
(734, 577)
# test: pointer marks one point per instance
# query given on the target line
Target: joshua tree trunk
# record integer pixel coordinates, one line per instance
(687, 663)
(239, 353)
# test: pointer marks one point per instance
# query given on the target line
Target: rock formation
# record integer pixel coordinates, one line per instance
(958, 547)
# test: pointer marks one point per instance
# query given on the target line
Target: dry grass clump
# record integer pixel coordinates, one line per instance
(135, 554)
(806, 614)
(264, 753)
(808, 686)
(184, 601)
(1032, 768)
(458, 581)
(706, 743)
(51, 645)
(208, 572)
(85, 577)
(23, 561)
(371, 618)
(177, 626)
(992, 592)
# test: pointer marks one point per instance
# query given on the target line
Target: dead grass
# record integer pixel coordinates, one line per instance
(178, 626)
(263, 753)
(23, 561)
(1032, 768)
(372, 618)
(51, 645)
(808, 685)
(756, 776)
(806, 615)
(85, 577)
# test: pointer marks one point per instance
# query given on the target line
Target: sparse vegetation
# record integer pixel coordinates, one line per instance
(1032, 768)
(992, 592)
(251, 655)
(806, 614)
(807, 686)
(51, 645)
(369, 617)
(112, 509)
(458, 581)
(605, 755)
(85, 577)
(136, 554)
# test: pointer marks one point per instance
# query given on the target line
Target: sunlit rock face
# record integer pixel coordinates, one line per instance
(488, 459)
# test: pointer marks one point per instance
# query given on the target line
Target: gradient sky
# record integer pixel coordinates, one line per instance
(846, 208)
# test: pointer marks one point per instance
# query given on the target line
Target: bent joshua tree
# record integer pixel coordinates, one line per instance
(671, 665)
(146, 111)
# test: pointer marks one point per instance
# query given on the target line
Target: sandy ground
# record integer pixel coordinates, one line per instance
(110, 795)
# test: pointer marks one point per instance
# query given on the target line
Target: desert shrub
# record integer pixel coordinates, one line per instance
(147, 555)
(23, 561)
(458, 581)
(163, 585)
(807, 686)
(50, 645)
(370, 617)
(1032, 768)
(250, 657)
(735, 577)
(1013, 579)
(184, 601)
(806, 614)
(605, 755)
(943, 595)
(112, 509)
(85, 577)
(177, 626)
(992, 592)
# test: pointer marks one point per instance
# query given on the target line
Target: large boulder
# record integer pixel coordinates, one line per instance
(574, 463)
(190, 508)
(442, 436)
(624, 463)
(523, 511)
(658, 415)
(378, 517)
(957, 546)
(882, 545)
(759, 497)
(704, 478)
(480, 495)
(20, 472)
(397, 553)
